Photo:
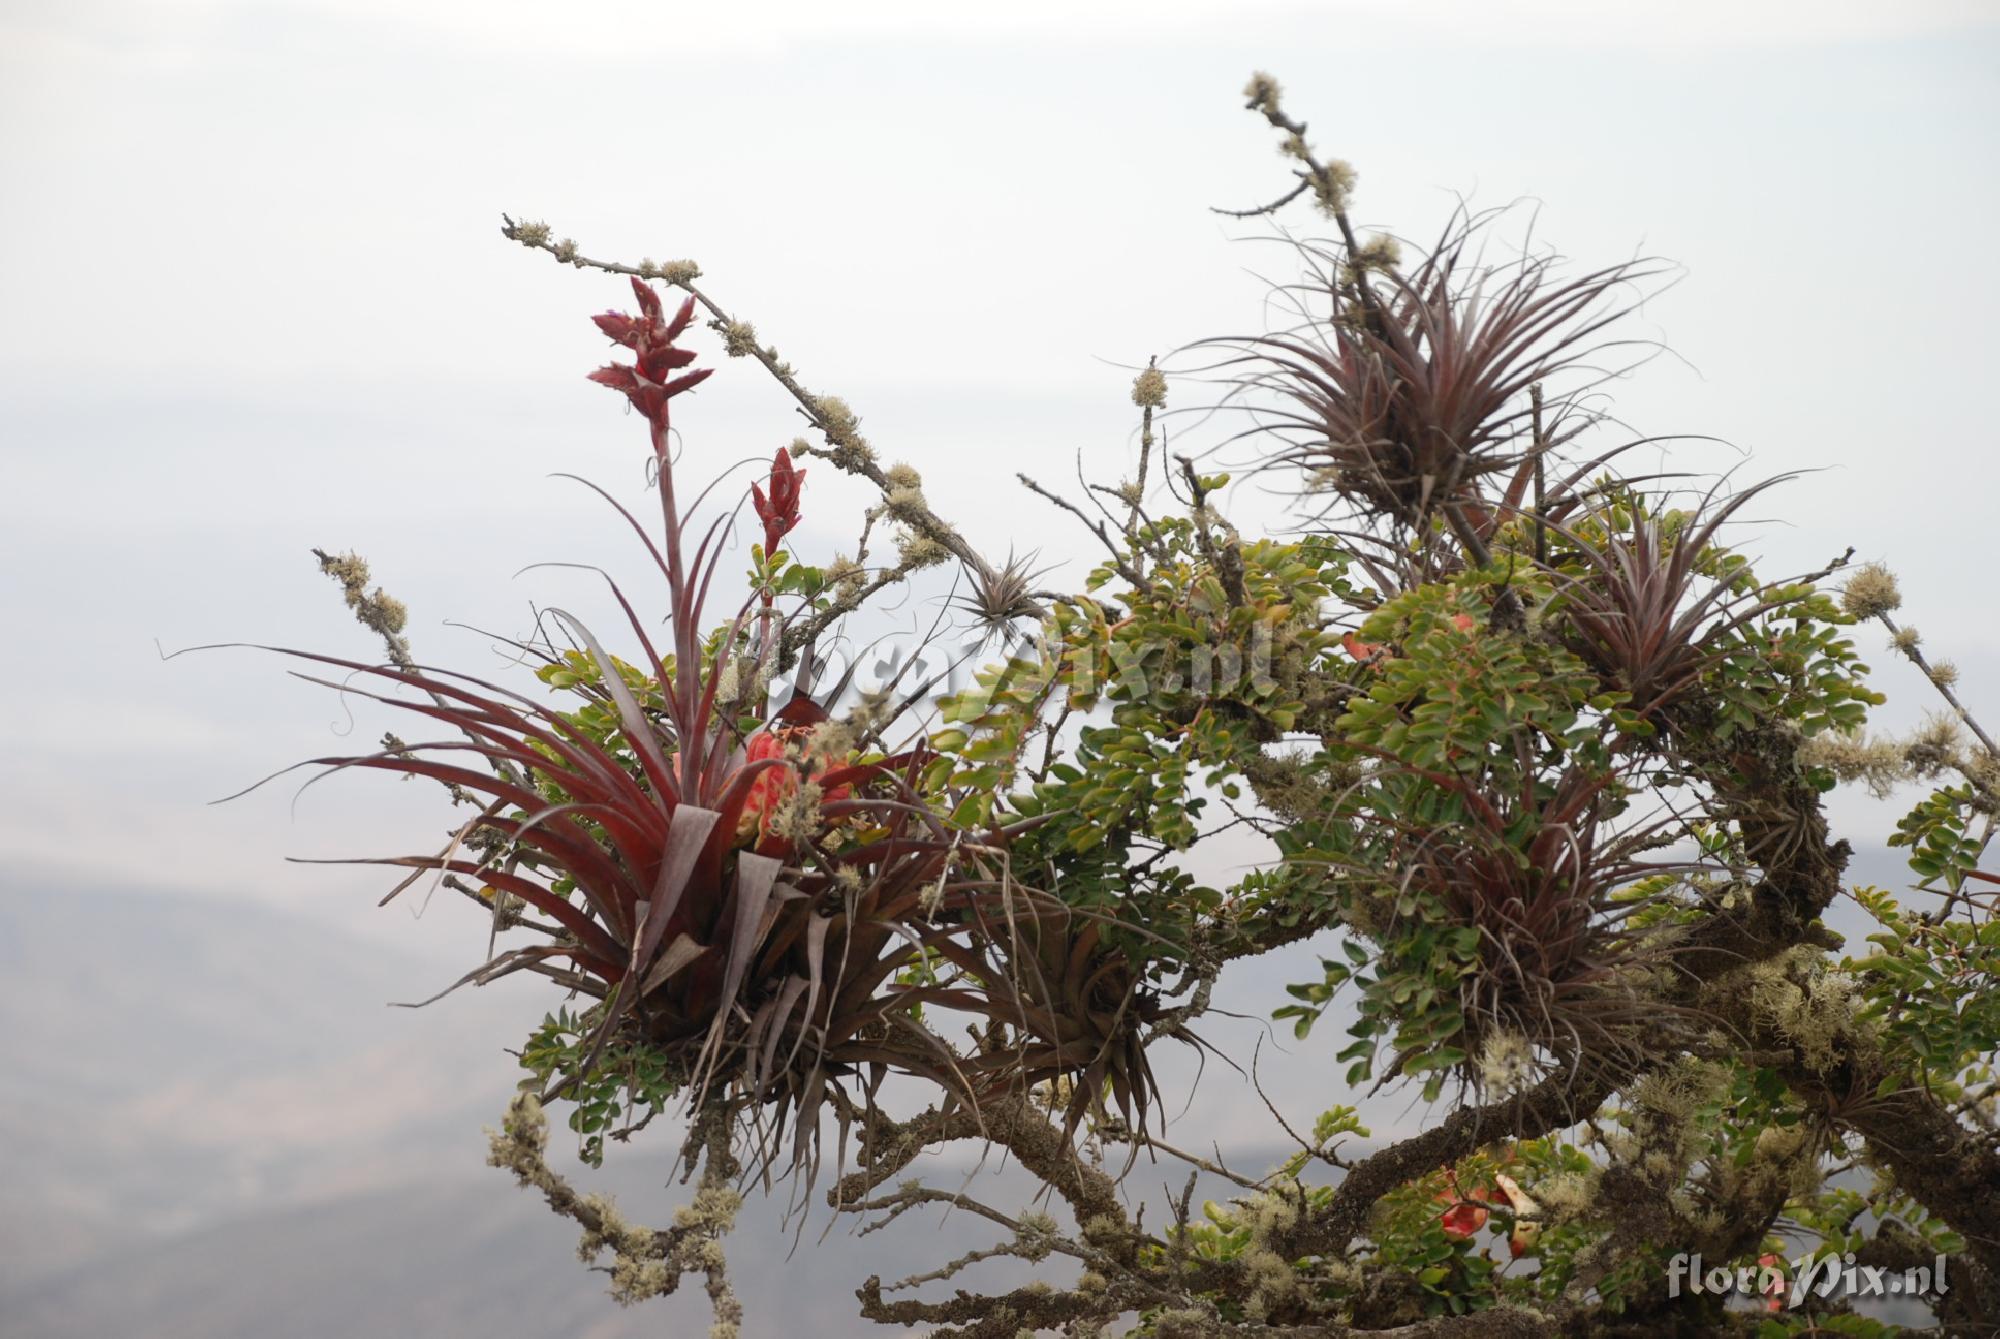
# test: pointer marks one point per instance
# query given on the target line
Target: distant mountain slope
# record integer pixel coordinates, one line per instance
(214, 1129)
(480, 1260)
(169, 1062)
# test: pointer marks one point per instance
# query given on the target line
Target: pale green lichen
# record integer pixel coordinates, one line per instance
(1569, 1196)
(1680, 1089)
(835, 418)
(1036, 1236)
(796, 816)
(1378, 255)
(634, 1280)
(713, 1211)
(1262, 92)
(1333, 186)
(1983, 770)
(680, 273)
(906, 504)
(1506, 1064)
(1380, 252)
(1882, 764)
(1854, 756)
(739, 338)
(1934, 748)
(831, 742)
(377, 610)
(919, 551)
(1149, 389)
(843, 430)
(521, 1140)
(1871, 592)
(1810, 1005)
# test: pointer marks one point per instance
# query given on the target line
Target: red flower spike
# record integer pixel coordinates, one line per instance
(778, 509)
(649, 382)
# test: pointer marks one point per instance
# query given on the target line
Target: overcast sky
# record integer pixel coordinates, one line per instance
(253, 299)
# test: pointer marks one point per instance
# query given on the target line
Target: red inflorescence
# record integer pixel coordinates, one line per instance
(649, 382)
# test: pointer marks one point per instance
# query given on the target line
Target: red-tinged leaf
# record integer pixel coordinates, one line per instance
(687, 835)
(800, 709)
(612, 895)
(605, 954)
(637, 729)
(493, 717)
(816, 931)
(756, 876)
(777, 1013)
(677, 955)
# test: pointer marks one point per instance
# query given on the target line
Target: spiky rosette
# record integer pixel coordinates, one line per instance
(1646, 599)
(1547, 887)
(1069, 1006)
(745, 956)
(1005, 596)
(1402, 391)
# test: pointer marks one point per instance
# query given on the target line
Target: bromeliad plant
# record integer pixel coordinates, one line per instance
(740, 897)
(1540, 759)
